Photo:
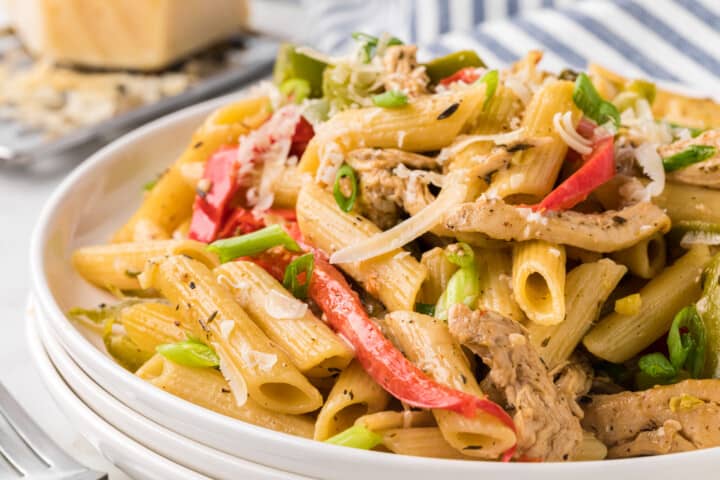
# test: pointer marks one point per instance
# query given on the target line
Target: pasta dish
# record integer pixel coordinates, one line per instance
(436, 259)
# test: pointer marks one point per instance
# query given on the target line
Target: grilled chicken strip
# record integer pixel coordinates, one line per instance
(665, 419)
(546, 426)
(705, 173)
(402, 71)
(598, 232)
(383, 194)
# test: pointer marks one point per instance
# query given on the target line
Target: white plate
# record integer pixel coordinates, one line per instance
(170, 445)
(96, 199)
(128, 455)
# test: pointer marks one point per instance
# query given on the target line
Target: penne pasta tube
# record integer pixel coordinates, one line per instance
(496, 291)
(427, 343)
(646, 258)
(119, 264)
(587, 288)
(532, 173)
(207, 388)
(312, 347)
(423, 125)
(394, 278)
(439, 271)
(618, 337)
(590, 449)
(169, 203)
(151, 324)
(420, 442)
(355, 394)
(381, 421)
(538, 279)
(247, 357)
(288, 188)
(689, 203)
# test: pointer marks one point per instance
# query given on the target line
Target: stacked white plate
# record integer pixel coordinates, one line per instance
(151, 434)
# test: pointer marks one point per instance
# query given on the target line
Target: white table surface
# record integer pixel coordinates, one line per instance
(22, 195)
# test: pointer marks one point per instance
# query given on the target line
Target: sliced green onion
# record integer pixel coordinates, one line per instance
(150, 185)
(370, 43)
(425, 308)
(253, 243)
(643, 88)
(694, 132)
(302, 264)
(592, 104)
(657, 366)
(391, 99)
(190, 353)
(292, 64)
(460, 254)
(686, 342)
(490, 79)
(295, 89)
(692, 154)
(356, 436)
(464, 285)
(345, 203)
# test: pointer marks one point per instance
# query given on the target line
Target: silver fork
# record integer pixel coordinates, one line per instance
(27, 452)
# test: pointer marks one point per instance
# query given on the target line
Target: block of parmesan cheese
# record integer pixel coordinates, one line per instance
(126, 34)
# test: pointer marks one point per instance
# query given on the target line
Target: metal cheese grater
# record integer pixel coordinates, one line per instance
(216, 71)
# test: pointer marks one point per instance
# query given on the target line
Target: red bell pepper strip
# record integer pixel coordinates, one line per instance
(466, 75)
(241, 221)
(598, 168)
(377, 355)
(303, 134)
(210, 208)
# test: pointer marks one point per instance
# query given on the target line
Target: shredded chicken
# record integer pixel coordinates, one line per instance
(598, 232)
(573, 380)
(705, 173)
(402, 71)
(664, 419)
(382, 193)
(547, 428)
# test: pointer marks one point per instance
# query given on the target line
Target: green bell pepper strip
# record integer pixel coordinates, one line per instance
(443, 67)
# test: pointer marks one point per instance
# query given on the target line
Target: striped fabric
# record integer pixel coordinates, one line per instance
(671, 40)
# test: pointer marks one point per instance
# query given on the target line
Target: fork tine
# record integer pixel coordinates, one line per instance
(16, 452)
(33, 436)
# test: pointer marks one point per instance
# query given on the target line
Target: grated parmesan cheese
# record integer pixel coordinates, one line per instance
(282, 307)
(226, 327)
(562, 123)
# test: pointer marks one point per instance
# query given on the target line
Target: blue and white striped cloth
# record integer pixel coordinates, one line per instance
(672, 40)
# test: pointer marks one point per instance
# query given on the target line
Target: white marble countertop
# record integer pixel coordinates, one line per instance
(22, 195)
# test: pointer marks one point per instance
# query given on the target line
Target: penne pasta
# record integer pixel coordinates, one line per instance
(310, 344)
(538, 280)
(427, 342)
(118, 265)
(532, 173)
(394, 278)
(207, 388)
(354, 395)
(618, 337)
(496, 290)
(169, 203)
(151, 324)
(389, 419)
(420, 442)
(689, 203)
(439, 271)
(248, 358)
(646, 258)
(419, 127)
(587, 287)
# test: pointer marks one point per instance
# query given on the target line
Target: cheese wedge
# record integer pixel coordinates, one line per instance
(126, 34)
